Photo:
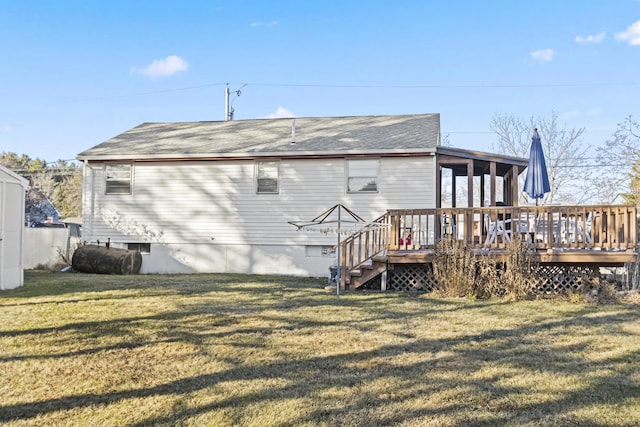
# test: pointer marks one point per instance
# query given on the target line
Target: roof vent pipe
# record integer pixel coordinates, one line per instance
(293, 132)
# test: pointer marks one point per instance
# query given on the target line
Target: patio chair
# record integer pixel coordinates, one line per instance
(540, 229)
(497, 228)
(585, 228)
(505, 226)
(582, 228)
(576, 229)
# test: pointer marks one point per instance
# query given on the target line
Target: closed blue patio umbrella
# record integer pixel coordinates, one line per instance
(536, 184)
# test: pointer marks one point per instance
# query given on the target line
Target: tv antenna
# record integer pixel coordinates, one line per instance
(228, 104)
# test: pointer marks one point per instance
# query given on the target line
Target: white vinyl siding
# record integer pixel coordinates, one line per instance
(214, 204)
(362, 176)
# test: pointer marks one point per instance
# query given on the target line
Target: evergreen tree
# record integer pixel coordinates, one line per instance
(60, 182)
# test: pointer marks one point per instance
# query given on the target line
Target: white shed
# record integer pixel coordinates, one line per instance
(12, 191)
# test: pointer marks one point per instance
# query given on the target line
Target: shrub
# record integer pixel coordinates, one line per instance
(454, 268)
(518, 270)
(461, 273)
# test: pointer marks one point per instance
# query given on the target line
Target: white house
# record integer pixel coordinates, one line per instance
(218, 196)
(12, 193)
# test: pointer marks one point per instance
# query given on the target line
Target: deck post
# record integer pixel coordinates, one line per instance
(454, 190)
(515, 196)
(468, 220)
(438, 186)
(492, 183)
(395, 231)
(634, 230)
(470, 173)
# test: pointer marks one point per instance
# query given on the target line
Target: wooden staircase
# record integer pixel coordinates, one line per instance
(363, 254)
(366, 271)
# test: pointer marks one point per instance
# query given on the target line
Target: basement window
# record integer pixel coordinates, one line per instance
(267, 177)
(118, 179)
(313, 251)
(362, 176)
(143, 248)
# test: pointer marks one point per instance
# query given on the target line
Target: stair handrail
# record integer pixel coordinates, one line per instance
(363, 245)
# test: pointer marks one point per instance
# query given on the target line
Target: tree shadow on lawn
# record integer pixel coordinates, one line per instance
(42, 284)
(176, 325)
(278, 294)
(186, 323)
(317, 377)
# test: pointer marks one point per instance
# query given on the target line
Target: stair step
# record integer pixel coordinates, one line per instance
(366, 271)
(381, 257)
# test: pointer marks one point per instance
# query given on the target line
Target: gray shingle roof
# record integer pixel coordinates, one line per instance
(264, 137)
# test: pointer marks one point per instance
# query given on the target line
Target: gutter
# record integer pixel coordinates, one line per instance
(253, 156)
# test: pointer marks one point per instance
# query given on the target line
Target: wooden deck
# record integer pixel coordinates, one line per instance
(598, 235)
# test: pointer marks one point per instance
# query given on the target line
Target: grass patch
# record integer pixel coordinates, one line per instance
(199, 350)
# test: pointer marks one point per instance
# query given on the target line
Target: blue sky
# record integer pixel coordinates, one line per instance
(75, 73)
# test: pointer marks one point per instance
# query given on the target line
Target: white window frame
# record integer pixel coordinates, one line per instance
(354, 174)
(143, 248)
(259, 171)
(108, 178)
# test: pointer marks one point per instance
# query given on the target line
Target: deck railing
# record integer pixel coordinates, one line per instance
(605, 227)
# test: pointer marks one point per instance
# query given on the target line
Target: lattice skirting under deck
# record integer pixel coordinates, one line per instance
(557, 278)
(411, 277)
(549, 278)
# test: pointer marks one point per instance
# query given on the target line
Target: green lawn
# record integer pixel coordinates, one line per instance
(216, 350)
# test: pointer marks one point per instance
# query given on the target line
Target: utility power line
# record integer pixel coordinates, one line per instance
(447, 85)
(401, 86)
(488, 132)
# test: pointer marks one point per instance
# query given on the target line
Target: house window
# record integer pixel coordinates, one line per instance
(267, 177)
(118, 179)
(362, 176)
(143, 248)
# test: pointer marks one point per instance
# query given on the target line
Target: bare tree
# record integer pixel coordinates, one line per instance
(561, 147)
(619, 162)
